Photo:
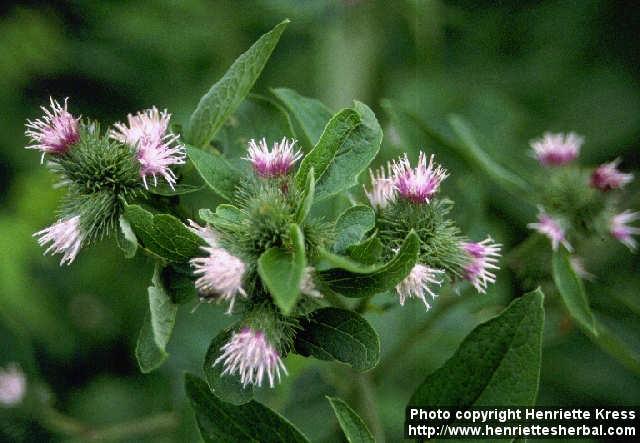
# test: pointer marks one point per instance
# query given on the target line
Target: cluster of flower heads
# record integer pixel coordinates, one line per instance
(559, 150)
(76, 150)
(419, 186)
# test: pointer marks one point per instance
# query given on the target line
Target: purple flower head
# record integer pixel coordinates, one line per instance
(221, 274)
(250, 354)
(607, 177)
(416, 284)
(55, 132)
(620, 229)
(557, 149)
(383, 189)
(65, 237)
(483, 257)
(13, 385)
(274, 163)
(418, 185)
(550, 227)
(156, 147)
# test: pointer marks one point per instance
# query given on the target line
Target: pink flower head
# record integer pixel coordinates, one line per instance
(156, 146)
(221, 273)
(416, 284)
(383, 189)
(483, 257)
(55, 132)
(550, 227)
(557, 149)
(65, 237)
(274, 163)
(607, 177)
(13, 385)
(420, 184)
(620, 229)
(249, 354)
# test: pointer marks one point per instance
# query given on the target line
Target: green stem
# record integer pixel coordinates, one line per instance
(59, 423)
(362, 305)
(369, 405)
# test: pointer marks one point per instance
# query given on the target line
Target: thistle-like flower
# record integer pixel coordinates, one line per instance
(620, 229)
(557, 149)
(156, 147)
(416, 284)
(252, 356)
(607, 177)
(418, 185)
(221, 273)
(483, 257)
(274, 163)
(55, 132)
(383, 189)
(65, 236)
(13, 385)
(550, 227)
(307, 284)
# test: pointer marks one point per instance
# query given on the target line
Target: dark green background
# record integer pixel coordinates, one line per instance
(513, 68)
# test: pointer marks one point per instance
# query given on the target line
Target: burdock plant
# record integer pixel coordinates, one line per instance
(290, 237)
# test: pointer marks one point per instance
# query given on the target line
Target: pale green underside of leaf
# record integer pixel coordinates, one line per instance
(352, 425)
(216, 172)
(224, 422)
(352, 225)
(310, 114)
(225, 96)
(157, 327)
(497, 364)
(571, 291)
(335, 334)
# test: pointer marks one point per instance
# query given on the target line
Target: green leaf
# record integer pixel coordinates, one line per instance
(376, 279)
(471, 151)
(257, 117)
(352, 225)
(177, 281)
(126, 239)
(350, 142)
(307, 198)
(163, 234)
(615, 346)
(157, 327)
(216, 172)
(225, 96)
(226, 216)
(224, 422)
(310, 114)
(367, 252)
(352, 425)
(498, 363)
(281, 271)
(178, 189)
(335, 334)
(226, 387)
(571, 291)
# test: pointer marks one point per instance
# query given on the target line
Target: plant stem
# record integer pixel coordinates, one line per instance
(59, 423)
(369, 405)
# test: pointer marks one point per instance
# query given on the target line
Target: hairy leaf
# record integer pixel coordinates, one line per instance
(307, 198)
(163, 234)
(571, 290)
(127, 240)
(281, 271)
(226, 95)
(367, 252)
(352, 225)
(310, 114)
(216, 172)
(498, 363)
(223, 422)
(350, 142)
(340, 335)
(157, 327)
(226, 387)
(178, 189)
(365, 280)
(355, 430)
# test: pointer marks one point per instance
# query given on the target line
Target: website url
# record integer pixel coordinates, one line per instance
(509, 431)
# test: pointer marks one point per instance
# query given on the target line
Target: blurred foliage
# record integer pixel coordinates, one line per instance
(512, 68)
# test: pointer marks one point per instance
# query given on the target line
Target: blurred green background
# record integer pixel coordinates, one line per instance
(512, 68)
